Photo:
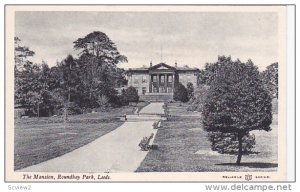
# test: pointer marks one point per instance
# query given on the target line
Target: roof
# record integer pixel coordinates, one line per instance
(163, 66)
(186, 68)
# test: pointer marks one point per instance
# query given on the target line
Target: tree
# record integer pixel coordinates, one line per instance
(28, 89)
(237, 102)
(180, 93)
(98, 72)
(190, 90)
(69, 81)
(208, 74)
(227, 143)
(24, 72)
(131, 94)
(20, 54)
(270, 79)
(99, 45)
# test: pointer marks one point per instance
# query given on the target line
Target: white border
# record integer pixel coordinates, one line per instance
(291, 94)
(150, 187)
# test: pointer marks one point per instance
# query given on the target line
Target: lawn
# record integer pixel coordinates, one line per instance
(183, 147)
(41, 139)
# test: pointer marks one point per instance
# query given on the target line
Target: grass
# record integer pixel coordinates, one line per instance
(182, 136)
(41, 139)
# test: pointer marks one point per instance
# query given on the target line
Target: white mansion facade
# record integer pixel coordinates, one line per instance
(157, 82)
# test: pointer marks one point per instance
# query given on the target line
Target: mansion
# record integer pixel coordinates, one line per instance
(157, 82)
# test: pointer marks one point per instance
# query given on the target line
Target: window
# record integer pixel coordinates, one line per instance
(136, 79)
(154, 78)
(137, 90)
(144, 79)
(162, 79)
(170, 79)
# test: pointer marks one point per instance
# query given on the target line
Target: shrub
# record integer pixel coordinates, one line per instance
(180, 93)
(103, 102)
(190, 90)
(131, 94)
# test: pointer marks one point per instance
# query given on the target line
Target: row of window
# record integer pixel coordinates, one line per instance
(156, 90)
(162, 78)
(136, 79)
(154, 79)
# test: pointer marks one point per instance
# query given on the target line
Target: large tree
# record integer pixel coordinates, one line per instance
(24, 71)
(98, 59)
(69, 81)
(237, 102)
(21, 54)
(99, 45)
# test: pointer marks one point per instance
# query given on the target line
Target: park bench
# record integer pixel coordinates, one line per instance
(146, 143)
(156, 124)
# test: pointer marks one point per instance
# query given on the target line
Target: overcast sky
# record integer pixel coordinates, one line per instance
(188, 38)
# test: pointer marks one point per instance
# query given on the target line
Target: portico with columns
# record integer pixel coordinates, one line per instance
(161, 79)
(158, 82)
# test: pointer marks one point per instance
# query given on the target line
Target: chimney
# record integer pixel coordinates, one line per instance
(150, 63)
(176, 64)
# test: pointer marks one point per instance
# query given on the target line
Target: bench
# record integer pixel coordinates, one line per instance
(156, 124)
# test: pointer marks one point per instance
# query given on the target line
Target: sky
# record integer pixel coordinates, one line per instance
(190, 38)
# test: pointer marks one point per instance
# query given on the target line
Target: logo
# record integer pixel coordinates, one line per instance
(248, 177)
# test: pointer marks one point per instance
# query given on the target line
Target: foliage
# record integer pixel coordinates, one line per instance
(20, 54)
(98, 72)
(72, 84)
(180, 93)
(99, 45)
(270, 79)
(227, 143)
(237, 102)
(131, 94)
(190, 90)
(166, 109)
(208, 74)
(103, 102)
(31, 87)
(198, 100)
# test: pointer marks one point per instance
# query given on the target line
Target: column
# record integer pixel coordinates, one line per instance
(166, 85)
(150, 84)
(157, 82)
(173, 82)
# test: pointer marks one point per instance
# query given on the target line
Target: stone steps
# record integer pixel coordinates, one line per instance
(143, 117)
(156, 98)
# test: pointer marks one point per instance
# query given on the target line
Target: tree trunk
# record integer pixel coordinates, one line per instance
(38, 109)
(65, 117)
(240, 153)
